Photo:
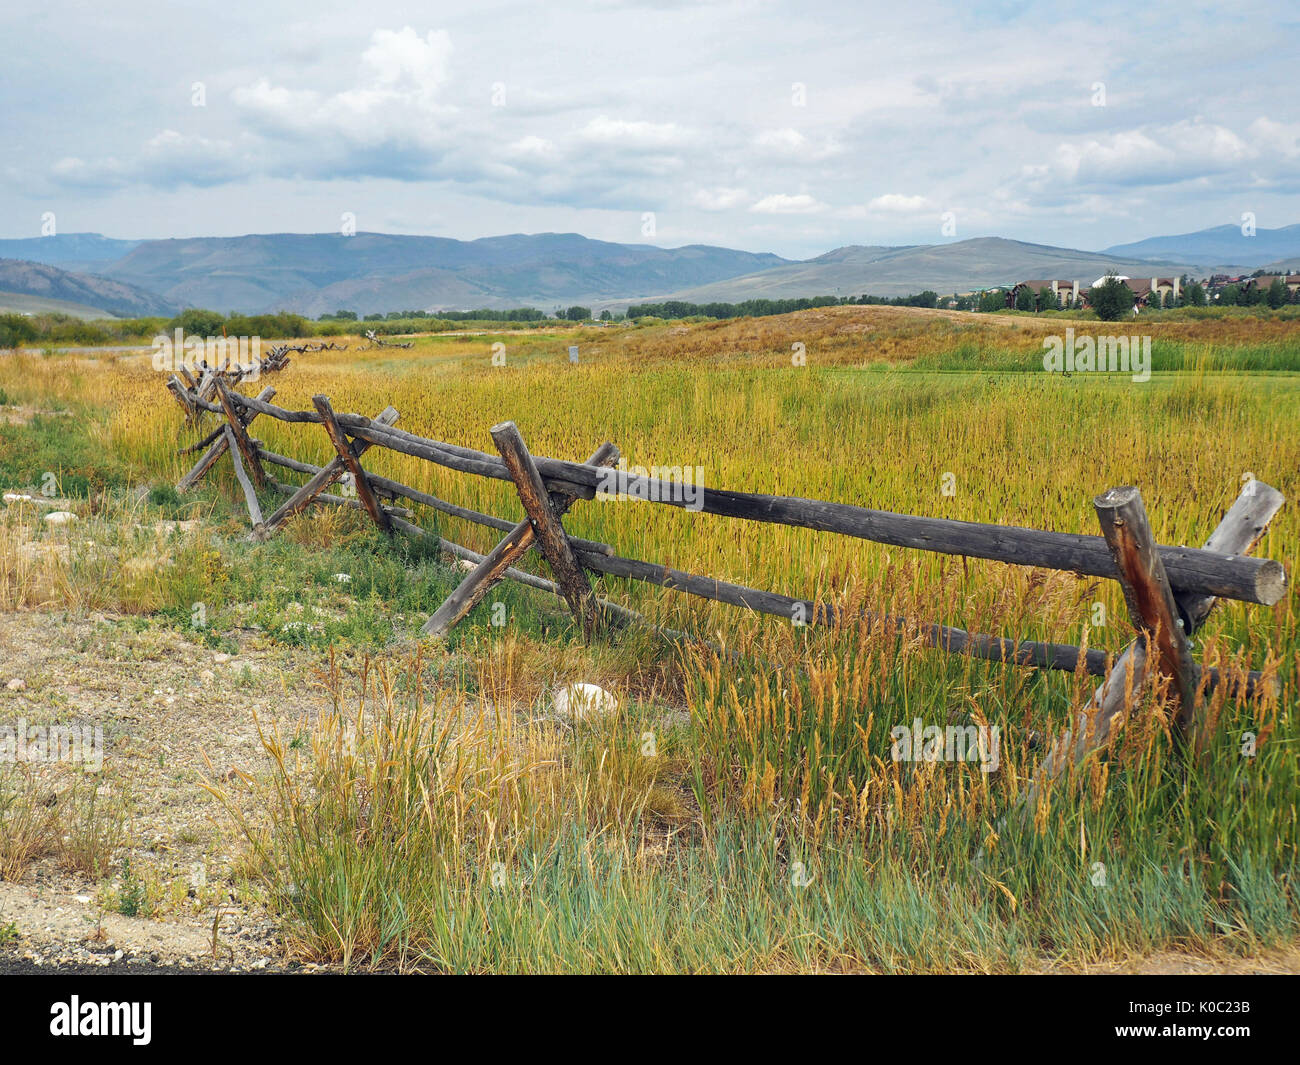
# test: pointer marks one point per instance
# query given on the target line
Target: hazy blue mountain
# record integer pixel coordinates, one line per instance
(70, 251)
(1224, 245)
(378, 272)
(315, 273)
(961, 266)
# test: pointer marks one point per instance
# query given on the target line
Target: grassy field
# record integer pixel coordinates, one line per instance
(735, 814)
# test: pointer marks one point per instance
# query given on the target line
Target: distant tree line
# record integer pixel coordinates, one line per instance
(761, 308)
(23, 330)
(516, 314)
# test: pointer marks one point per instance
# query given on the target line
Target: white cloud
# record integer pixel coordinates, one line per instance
(791, 144)
(781, 203)
(404, 58)
(1150, 155)
(533, 147)
(395, 100)
(787, 141)
(168, 158)
(897, 203)
(1276, 138)
(645, 135)
(718, 198)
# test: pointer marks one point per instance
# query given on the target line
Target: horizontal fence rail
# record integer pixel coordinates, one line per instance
(1196, 570)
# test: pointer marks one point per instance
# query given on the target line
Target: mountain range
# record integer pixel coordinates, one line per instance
(1227, 246)
(314, 274)
(961, 266)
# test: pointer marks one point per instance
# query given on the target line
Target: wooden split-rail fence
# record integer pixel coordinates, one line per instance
(1169, 591)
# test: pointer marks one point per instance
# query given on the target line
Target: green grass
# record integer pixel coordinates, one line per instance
(399, 852)
(438, 816)
(58, 450)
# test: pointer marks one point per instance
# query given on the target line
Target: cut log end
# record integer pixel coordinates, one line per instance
(1270, 583)
(1114, 498)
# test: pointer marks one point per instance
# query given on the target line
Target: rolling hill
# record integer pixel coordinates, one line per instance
(18, 303)
(116, 298)
(962, 266)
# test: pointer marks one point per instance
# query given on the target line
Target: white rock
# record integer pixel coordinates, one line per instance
(17, 685)
(579, 701)
(60, 517)
(16, 497)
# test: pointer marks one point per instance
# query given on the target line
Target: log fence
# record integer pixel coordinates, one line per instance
(1169, 591)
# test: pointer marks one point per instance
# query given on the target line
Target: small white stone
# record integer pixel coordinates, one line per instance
(60, 517)
(579, 701)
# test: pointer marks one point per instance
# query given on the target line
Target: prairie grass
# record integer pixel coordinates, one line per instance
(438, 816)
(60, 811)
(452, 835)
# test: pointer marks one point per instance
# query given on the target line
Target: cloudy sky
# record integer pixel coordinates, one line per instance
(769, 126)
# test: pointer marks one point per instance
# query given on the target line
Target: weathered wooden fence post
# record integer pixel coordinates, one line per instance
(238, 435)
(1150, 599)
(250, 493)
(1237, 534)
(516, 544)
(220, 444)
(348, 456)
(319, 482)
(551, 537)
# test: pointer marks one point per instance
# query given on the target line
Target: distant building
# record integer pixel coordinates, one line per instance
(1067, 293)
(1265, 282)
(1218, 282)
(1074, 294)
(1144, 288)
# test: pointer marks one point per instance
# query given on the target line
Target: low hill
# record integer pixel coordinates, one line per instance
(1283, 266)
(962, 266)
(18, 303)
(90, 290)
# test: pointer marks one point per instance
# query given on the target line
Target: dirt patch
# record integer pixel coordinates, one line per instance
(23, 415)
(173, 713)
(1272, 962)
